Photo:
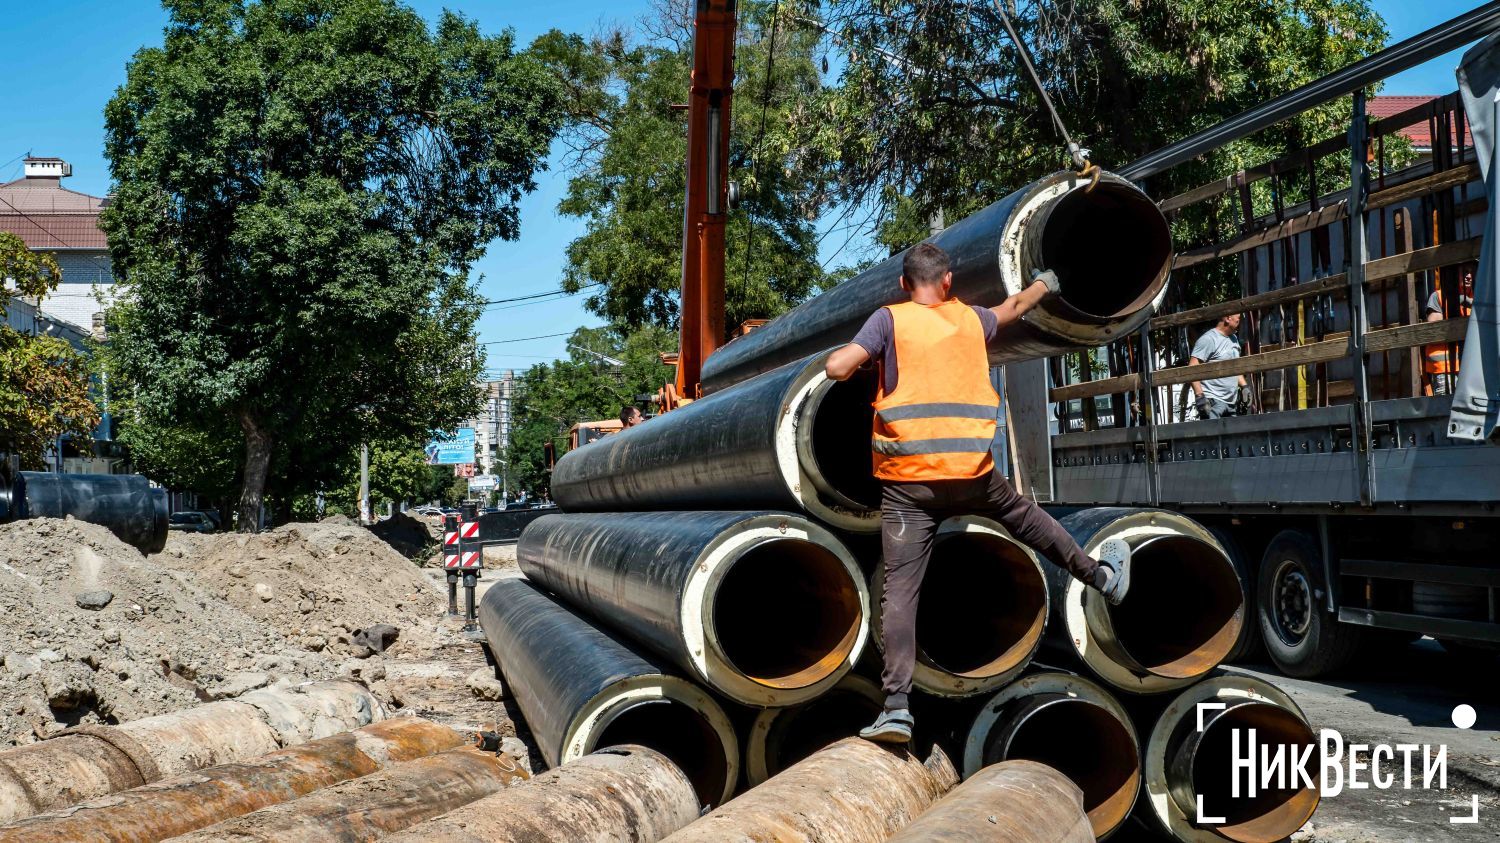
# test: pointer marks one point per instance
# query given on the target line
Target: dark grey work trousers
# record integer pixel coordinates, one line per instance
(910, 514)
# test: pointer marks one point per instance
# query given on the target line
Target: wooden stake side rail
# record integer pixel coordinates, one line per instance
(1300, 159)
(1378, 270)
(1376, 342)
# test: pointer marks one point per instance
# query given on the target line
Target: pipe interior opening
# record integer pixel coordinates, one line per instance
(1184, 608)
(786, 613)
(1089, 745)
(679, 732)
(1109, 247)
(983, 606)
(842, 420)
(1273, 813)
(805, 729)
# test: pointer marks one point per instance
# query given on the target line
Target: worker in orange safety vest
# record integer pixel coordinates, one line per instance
(1437, 361)
(934, 424)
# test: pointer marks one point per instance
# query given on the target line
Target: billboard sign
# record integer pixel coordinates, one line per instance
(483, 483)
(456, 448)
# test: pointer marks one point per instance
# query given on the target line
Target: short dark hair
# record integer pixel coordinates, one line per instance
(626, 412)
(924, 264)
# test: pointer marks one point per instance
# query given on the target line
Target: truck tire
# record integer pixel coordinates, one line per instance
(1301, 638)
(1246, 648)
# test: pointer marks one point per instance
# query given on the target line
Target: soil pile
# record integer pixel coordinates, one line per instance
(93, 632)
(414, 538)
(316, 584)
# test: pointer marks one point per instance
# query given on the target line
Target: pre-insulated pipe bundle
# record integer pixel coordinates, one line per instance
(791, 439)
(582, 690)
(125, 504)
(202, 798)
(1183, 763)
(982, 611)
(767, 608)
(1108, 244)
(95, 760)
(1071, 724)
(1181, 617)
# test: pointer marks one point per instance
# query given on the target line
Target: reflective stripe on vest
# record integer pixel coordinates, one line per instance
(1435, 360)
(939, 421)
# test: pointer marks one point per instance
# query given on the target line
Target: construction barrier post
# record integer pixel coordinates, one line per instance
(450, 561)
(470, 560)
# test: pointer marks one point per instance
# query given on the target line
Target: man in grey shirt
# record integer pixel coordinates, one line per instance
(1218, 397)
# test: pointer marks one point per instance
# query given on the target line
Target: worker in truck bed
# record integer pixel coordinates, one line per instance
(1219, 397)
(934, 423)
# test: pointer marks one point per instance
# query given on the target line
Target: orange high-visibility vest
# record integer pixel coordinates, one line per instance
(939, 421)
(1435, 357)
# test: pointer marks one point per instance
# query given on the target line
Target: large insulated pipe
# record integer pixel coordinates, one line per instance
(1072, 725)
(1183, 613)
(852, 792)
(982, 611)
(791, 439)
(767, 608)
(624, 794)
(780, 737)
(582, 690)
(371, 807)
(1109, 246)
(125, 504)
(89, 761)
(200, 799)
(1013, 802)
(1185, 762)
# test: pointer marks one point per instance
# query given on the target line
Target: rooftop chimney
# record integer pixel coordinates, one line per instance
(47, 168)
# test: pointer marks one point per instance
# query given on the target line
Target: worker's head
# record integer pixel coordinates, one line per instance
(630, 415)
(1229, 324)
(926, 267)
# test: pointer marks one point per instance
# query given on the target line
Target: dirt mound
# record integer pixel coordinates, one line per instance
(414, 538)
(316, 584)
(93, 632)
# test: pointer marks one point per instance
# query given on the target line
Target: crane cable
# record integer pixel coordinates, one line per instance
(1086, 169)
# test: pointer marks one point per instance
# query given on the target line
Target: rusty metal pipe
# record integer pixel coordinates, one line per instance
(91, 761)
(1181, 618)
(581, 690)
(1011, 802)
(982, 612)
(195, 800)
(373, 806)
(1183, 763)
(623, 794)
(780, 441)
(1068, 723)
(780, 737)
(696, 588)
(854, 791)
(1109, 246)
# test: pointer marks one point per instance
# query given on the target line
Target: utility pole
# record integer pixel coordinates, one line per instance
(364, 484)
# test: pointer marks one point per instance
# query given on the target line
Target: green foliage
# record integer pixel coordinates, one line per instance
(301, 187)
(552, 397)
(44, 381)
(628, 179)
(932, 112)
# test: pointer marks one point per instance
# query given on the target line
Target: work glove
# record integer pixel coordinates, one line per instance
(1049, 278)
(1202, 405)
(1242, 401)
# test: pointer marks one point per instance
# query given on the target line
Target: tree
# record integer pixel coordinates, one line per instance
(552, 397)
(44, 381)
(934, 118)
(301, 188)
(628, 148)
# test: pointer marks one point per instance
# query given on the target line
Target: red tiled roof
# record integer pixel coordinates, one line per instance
(1419, 133)
(49, 216)
(54, 231)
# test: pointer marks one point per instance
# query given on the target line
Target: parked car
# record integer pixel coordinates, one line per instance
(191, 522)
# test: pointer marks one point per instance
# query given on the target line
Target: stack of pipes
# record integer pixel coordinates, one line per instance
(714, 568)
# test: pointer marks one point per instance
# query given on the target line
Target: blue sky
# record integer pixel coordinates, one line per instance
(63, 60)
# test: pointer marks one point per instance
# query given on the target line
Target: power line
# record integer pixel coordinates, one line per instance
(524, 339)
(559, 293)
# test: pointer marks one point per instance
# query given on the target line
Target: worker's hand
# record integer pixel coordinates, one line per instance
(1049, 279)
(1242, 401)
(1203, 406)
